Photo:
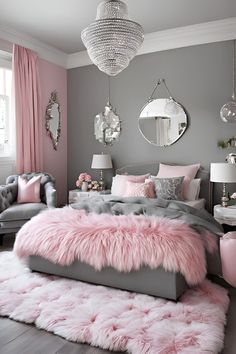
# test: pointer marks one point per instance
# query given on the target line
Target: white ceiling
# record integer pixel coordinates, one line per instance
(59, 22)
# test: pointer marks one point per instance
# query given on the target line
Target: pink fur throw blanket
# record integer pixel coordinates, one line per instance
(124, 242)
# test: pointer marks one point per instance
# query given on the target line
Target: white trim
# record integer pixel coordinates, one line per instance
(45, 51)
(78, 59)
(208, 32)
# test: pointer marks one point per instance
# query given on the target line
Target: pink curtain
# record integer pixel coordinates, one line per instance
(28, 111)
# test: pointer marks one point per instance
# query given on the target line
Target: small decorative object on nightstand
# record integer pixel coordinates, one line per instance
(101, 162)
(222, 172)
(83, 181)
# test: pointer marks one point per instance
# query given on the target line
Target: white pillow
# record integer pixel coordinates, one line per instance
(118, 186)
(193, 190)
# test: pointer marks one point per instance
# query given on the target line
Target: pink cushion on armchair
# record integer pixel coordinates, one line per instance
(29, 191)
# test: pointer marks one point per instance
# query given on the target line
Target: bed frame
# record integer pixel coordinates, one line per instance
(156, 282)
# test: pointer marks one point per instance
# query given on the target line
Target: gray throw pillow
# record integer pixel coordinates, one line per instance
(169, 188)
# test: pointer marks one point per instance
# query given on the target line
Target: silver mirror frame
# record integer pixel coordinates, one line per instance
(168, 110)
(52, 101)
(183, 128)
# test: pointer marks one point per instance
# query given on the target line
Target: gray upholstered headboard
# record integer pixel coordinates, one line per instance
(153, 167)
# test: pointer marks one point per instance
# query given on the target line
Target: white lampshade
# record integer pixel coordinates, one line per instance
(101, 161)
(223, 172)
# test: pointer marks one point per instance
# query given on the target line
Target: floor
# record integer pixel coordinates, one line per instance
(19, 338)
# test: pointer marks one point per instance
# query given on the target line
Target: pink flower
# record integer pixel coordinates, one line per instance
(82, 176)
(233, 196)
(87, 177)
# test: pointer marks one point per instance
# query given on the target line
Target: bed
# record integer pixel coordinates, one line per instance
(147, 279)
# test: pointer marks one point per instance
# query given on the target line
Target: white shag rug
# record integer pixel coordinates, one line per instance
(114, 319)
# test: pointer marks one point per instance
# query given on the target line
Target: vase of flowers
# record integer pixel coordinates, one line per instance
(83, 181)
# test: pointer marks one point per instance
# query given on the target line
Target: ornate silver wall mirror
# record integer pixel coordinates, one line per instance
(107, 124)
(162, 121)
(53, 122)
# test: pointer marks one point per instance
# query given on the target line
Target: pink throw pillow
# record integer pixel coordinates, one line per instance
(29, 191)
(119, 183)
(134, 189)
(189, 172)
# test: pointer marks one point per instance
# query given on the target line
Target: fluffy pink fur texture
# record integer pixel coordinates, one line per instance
(123, 242)
(114, 319)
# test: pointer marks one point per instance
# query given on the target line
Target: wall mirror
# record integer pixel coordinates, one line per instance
(107, 126)
(53, 123)
(162, 121)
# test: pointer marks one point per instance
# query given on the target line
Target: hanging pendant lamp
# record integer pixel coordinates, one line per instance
(107, 124)
(228, 111)
(112, 40)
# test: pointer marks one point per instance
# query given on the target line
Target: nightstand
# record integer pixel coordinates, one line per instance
(226, 216)
(77, 195)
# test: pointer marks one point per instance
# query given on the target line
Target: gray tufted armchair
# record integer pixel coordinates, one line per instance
(14, 215)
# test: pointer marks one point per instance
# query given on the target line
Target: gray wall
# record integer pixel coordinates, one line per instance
(199, 77)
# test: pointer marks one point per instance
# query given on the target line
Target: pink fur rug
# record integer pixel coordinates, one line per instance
(114, 319)
(122, 242)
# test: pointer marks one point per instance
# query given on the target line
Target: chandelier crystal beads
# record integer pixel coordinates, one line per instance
(112, 40)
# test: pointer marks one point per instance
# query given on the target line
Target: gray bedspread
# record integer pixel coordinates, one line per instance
(199, 220)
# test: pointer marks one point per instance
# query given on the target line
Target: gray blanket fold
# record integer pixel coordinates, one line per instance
(197, 219)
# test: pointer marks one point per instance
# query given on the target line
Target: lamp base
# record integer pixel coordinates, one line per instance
(101, 182)
(224, 201)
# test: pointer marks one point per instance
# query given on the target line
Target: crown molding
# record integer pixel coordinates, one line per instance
(44, 51)
(208, 32)
(78, 59)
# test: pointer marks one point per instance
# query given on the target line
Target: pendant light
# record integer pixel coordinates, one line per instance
(228, 111)
(112, 40)
(107, 124)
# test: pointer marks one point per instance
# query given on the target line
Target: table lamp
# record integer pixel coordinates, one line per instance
(222, 172)
(101, 162)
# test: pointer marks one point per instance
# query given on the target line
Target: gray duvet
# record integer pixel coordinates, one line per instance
(197, 219)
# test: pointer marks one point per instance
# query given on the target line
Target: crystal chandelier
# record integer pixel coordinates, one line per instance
(228, 111)
(112, 40)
